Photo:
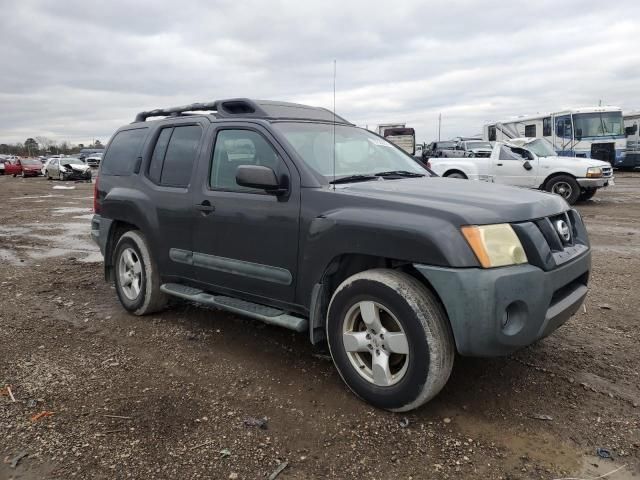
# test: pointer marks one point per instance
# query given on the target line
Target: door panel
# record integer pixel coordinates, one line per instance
(508, 168)
(245, 240)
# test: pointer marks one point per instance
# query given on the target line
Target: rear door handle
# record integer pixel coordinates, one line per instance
(206, 207)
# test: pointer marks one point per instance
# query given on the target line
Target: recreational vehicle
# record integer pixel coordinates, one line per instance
(591, 132)
(631, 157)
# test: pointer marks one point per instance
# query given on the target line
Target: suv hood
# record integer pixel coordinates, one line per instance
(466, 202)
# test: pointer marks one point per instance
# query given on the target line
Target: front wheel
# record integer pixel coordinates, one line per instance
(137, 279)
(565, 186)
(390, 339)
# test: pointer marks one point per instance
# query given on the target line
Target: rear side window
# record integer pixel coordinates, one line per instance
(174, 155)
(123, 152)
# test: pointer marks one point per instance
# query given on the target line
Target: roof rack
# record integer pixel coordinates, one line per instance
(244, 107)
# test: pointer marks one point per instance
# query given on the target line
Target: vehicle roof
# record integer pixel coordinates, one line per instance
(567, 111)
(241, 108)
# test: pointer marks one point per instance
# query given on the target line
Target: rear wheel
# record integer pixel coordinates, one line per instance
(137, 279)
(587, 194)
(390, 339)
(565, 186)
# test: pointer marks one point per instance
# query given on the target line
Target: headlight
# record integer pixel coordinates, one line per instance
(495, 245)
(594, 172)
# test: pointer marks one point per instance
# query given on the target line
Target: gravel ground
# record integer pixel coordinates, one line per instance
(170, 396)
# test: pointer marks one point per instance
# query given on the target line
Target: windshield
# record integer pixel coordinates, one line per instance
(446, 145)
(601, 124)
(470, 145)
(357, 151)
(542, 148)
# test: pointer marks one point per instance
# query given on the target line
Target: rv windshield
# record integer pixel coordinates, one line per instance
(357, 151)
(599, 124)
(541, 147)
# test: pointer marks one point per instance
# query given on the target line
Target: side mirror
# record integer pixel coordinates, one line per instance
(257, 176)
(527, 165)
(578, 134)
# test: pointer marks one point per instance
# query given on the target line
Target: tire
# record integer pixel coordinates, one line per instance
(46, 174)
(587, 194)
(405, 307)
(22, 174)
(15, 175)
(459, 175)
(60, 176)
(565, 186)
(148, 299)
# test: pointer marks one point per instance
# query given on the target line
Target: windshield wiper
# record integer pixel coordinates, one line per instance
(399, 173)
(354, 178)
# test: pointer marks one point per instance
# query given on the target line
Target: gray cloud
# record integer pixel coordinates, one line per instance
(76, 71)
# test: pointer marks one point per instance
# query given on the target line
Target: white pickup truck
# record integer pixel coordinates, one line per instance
(532, 163)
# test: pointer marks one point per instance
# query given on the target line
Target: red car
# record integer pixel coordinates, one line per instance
(26, 167)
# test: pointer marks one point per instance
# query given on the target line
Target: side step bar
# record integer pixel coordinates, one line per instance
(241, 307)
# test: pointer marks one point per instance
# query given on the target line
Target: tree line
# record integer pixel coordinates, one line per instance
(44, 146)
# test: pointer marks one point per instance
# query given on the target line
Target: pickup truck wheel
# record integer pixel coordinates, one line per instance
(390, 339)
(565, 186)
(587, 194)
(137, 279)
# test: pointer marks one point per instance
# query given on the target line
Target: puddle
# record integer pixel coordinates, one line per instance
(63, 210)
(9, 257)
(88, 216)
(62, 240)
(62, 187)
(30, 197)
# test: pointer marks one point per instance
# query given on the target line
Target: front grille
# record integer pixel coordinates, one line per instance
(607, 171)
(552, 241)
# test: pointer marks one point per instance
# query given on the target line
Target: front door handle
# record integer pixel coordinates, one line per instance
(499, 164)
(206, 207)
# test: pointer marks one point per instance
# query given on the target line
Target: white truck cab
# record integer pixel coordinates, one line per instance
(532, 163)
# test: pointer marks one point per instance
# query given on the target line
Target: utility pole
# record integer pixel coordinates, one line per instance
(439, 125)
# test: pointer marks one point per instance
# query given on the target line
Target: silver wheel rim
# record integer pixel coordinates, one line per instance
(375, 343)
(563, 189)
(130, 273)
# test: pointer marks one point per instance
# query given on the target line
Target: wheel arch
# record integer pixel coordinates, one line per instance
(554, 175)
(455, 170)
(116, 230)
(344, 266)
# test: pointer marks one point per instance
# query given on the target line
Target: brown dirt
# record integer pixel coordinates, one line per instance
(166, 396)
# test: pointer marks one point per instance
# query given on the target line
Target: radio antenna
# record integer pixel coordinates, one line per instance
(334, 124)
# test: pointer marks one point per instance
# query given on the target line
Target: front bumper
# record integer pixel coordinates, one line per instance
(75, 175)
(595, 182)
(496, 311)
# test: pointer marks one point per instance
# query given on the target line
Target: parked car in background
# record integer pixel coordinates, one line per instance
(532, 163)
(67, 168)
(475, 148)
(2, 162)
(86, 152)
(25, 167)
(94, 159)
(442, 149)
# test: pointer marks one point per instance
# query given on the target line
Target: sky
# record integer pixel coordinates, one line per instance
(76, 70)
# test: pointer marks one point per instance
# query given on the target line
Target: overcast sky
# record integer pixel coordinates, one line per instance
(76, 70)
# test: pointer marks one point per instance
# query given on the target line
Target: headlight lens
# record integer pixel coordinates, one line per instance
(594, 172)
(495, 245)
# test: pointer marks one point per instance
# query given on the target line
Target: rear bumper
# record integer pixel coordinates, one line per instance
(496, 311)
(100, 231)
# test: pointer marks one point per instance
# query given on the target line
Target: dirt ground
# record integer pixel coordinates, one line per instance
(169, 396)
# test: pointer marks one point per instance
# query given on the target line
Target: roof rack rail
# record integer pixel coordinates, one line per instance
(244, 107)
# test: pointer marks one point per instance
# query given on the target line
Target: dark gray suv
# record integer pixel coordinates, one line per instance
(291, 215)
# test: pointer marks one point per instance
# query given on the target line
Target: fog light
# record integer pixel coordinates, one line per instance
(514, 317)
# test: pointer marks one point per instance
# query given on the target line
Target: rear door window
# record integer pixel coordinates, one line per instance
(174, 155)
(123, 152)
